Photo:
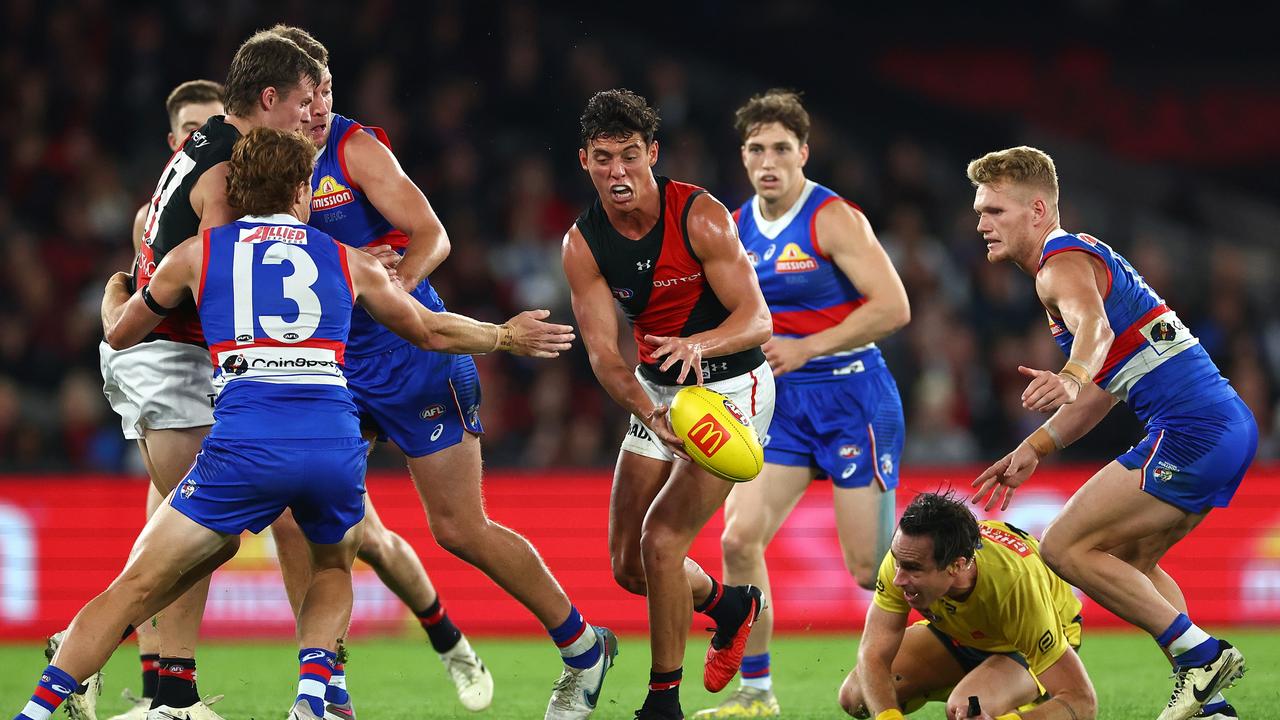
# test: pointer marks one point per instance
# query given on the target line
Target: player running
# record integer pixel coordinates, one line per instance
(669, 254)
(429, 403)
(162, 385)
(275, 298)
(361, 197)
(1123, 343)
(832, 292)
(998, 624)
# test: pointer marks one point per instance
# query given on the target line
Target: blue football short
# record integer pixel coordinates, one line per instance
(238, 485)
(421, 400)
(849, 428)
(1195, 462)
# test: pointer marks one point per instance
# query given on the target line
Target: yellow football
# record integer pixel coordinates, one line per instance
(716, 434)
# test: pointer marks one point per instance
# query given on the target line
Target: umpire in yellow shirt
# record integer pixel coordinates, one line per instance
(999, 625)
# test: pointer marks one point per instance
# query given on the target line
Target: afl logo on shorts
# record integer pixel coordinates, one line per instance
(431, 412)
(850, 451)
(736, 413)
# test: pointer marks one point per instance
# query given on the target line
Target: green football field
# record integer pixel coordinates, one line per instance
(401, 679)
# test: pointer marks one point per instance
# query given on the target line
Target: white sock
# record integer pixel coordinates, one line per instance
(1188, 640)
(764, 682)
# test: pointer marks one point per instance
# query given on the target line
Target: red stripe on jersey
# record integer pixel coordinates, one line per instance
(678, 279)
(808, 322)
(737, 215)
(813, 224)
(1129, 340)
(1091, 253)
(204, 264)
(342, 156)
(395, 239)
(346, 270)
(337, 346)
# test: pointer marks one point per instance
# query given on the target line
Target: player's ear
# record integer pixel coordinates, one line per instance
(173, 142)
(267, 98)
(653, 153)
(582, 157)
(804, 154)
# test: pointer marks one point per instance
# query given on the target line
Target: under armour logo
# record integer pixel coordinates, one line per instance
(642, 265)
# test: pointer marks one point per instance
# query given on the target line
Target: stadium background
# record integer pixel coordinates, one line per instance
(1166, 153)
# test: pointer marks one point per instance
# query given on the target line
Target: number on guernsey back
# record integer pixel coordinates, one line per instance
(179, 167)
(297, 287)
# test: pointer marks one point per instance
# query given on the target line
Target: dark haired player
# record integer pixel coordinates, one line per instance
(669, 254)
(832, 292)
(165, 379)
(998, 624)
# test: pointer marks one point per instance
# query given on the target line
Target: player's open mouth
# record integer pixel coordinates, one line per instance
(620, 192)
(768, 179)
(910, 596)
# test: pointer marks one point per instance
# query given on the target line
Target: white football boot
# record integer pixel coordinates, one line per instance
(471, 678)
(1196, 685)
(302, 711)
(138, 707)
(199, 711)
(577, 691)
(79, 705)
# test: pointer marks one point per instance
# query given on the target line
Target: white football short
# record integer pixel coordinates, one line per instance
(752, 392)
(158, 385)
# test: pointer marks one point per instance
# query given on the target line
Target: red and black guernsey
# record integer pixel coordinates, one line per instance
(170, 219)
(659, 282)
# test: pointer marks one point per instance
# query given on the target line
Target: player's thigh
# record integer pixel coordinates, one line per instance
(1110, 510)
(1000, 682)
(172, 452)
(170, 545)
(449, 483)
(637, 480)
(755, 510)
(684, 504)
(1146, 552)
(923, 664)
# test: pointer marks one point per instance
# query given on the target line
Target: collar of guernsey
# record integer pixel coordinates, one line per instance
(806, 292)
(340, 208)
(1155, 363)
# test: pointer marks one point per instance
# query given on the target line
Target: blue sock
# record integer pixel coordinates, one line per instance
(578, 643)
(336, 692)
(315, 667)
(54, 687)
(1188, 644)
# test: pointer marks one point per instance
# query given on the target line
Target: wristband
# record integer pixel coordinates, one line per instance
(152, 305)
(1054, 436)
(504, 339)
(1077, 372)
(894, 714)
(1040, 441)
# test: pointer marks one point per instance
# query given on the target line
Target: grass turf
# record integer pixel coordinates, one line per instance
(401, 678)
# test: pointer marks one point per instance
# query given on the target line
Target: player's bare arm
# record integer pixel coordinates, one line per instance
(881, 639)
(524, 334)
(598, 322)
(1071, 692)
(1071, 286)
(126, 319)
(373, 167)
(714, 237)
(209, 198)
(845, 235)
(139, 226)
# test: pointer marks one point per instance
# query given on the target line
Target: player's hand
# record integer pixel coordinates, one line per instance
(1048, 391)
(785, 354)
(384, 254)
(532, 337)
(658, 421)
(678, 350)
(999, 481)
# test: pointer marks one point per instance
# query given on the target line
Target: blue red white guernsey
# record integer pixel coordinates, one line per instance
(275, 301)
(659, 282)
(1155, 363)
(339, 208)
(806, 292)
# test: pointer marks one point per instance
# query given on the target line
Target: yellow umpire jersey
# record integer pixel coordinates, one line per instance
(1018, 603)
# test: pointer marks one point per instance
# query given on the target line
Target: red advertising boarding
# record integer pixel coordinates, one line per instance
(62, 539)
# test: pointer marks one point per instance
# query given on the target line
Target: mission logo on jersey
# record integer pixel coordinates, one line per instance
(793, 260)
(330, 194)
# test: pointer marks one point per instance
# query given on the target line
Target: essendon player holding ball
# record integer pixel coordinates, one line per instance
(669, 253)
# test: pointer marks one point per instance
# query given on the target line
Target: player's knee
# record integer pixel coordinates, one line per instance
(661, 547)
(862, 570)
(456, 537)
(741, 547)
(375, 547)
(850, 696)
(1057, 553)
(630, 577)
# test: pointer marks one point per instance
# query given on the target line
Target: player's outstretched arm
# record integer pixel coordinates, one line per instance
(881, 639)
(598, 321)
(524, 334)
(126, 319)
(714, 237)
(845, 235)
(373, 167)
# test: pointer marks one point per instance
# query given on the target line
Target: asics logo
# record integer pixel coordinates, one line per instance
(313, 656)
(61, 690)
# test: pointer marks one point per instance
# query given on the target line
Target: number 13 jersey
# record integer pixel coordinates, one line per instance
(275, 302)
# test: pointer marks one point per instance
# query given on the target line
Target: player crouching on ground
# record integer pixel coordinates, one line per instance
(286, 433)
(999, 624)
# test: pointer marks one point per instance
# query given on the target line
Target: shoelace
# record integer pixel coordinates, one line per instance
(1179, 681)
(565, 690)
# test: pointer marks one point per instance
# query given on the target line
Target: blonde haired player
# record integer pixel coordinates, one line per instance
(1123, 343)
(998, 624)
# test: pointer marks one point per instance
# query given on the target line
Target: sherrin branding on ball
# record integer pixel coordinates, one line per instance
(716, 434)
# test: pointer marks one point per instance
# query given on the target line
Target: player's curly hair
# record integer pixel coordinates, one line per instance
(616, 115)
(1022, 165)
(947, 521)
(266, 60)
(775, 105)
(267, 166)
